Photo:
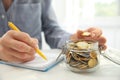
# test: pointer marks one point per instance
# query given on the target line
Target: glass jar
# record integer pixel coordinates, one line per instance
(82, 56)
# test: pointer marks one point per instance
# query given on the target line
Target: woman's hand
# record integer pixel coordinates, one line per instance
(93, 33)
(17, 47)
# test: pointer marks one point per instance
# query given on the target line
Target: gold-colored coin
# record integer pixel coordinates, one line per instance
(83, 66)
(82, 45)
(93, 54)
(86, 34)
(92, 63)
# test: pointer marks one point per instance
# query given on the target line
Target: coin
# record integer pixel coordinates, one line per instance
(92, 63)
(93, 54)
(82, 45)
(86, 33)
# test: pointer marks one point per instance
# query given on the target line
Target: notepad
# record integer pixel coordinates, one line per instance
(38, 63)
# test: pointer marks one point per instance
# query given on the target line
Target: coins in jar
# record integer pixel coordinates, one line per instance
(82, 56)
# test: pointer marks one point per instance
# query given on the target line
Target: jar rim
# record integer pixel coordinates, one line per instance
(89, 41)
(93, 45)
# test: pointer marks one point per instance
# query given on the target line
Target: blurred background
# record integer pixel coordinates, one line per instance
(81, 14)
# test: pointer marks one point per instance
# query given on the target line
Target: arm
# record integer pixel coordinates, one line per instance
(54, 35)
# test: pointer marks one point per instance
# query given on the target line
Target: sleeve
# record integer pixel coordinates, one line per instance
(54, 35)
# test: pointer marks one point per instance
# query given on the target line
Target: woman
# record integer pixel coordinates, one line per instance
(33, 17)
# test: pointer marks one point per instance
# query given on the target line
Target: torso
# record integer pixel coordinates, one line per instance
(26, 14)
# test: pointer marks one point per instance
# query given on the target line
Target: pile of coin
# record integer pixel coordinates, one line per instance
(81, 55)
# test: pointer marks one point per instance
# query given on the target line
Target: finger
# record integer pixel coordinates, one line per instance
(88, 38)
(7, 56)
(102, 40)
(95, 32)
(22, 36)
(20, 55)
(103, 47)
(18, 45)
(17, 60)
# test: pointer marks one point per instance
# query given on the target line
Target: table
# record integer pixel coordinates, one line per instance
(107, 71)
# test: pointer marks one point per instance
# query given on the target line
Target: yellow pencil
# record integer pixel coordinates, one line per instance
(12, 26)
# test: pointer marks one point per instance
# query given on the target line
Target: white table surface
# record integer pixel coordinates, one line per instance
(107, 71)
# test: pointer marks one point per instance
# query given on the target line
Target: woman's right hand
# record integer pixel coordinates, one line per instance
(17, 47)
(95, 34)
